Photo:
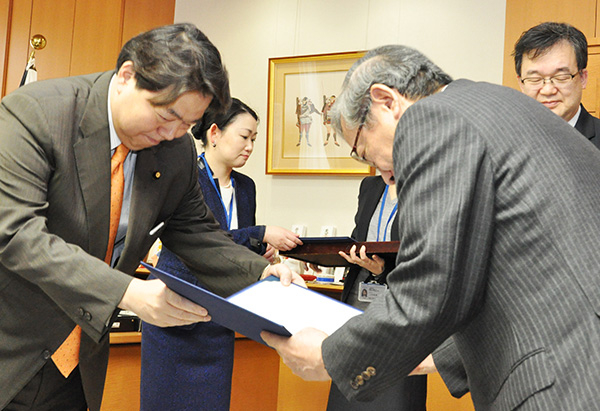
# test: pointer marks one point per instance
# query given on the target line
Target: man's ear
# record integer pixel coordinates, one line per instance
(389, 99)
(382, 94)
(584, 78)
(520, 84)
(126, 72)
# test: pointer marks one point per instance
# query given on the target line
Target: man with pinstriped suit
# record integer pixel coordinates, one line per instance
(551, 66)
(499, 225)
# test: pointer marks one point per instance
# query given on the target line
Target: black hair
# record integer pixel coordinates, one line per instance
(176, 59)
(542, 37)
(221, 119)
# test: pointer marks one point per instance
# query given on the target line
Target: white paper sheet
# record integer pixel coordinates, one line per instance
(294, 307)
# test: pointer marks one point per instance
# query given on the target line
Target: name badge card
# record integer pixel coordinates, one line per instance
(368, 292)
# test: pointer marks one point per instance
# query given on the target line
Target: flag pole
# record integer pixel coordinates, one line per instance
(37, 42)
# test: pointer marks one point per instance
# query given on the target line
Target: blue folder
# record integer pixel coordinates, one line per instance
(222, 311)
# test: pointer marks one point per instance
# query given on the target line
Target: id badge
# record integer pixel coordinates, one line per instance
(368, 292)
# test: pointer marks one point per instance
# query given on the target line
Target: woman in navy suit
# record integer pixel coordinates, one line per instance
(190, 368)
(374, 221)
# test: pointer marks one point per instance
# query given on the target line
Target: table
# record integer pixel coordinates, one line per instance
(260, 380)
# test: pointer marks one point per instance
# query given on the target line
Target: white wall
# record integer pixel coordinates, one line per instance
(464, 37)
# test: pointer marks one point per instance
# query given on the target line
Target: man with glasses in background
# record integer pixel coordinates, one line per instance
(551, 60)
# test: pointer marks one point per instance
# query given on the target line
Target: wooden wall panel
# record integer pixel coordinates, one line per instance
(255, 377)
(591, 94)
(17, 51)
(84, 36)
(5, 13)
(440, 399)
(56, 24)
(142, 15)
(96, 36)
(122, 389)
(293, 392)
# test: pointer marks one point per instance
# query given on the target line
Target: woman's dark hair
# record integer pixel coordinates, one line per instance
(222, 120)
(177, 58)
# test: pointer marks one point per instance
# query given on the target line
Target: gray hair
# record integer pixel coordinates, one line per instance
(399, 67)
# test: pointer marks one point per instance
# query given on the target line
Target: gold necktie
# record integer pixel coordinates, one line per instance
(66, 357)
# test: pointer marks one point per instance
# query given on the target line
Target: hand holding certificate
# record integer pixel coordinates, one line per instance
(266, 305)
(324, 251)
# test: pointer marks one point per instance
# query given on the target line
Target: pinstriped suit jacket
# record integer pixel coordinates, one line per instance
(54, 217)
(447, 359)
(499, 226)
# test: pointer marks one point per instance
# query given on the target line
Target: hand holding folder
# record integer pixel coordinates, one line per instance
(324, 251)
(266, 305)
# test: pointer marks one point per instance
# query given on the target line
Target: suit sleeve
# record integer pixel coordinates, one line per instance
(250, 237)
(195, 237)
(249, 234)
(450, 366)
(446, 205)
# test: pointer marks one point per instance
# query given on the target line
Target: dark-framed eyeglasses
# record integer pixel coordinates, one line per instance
(354, 153)
(557, 80)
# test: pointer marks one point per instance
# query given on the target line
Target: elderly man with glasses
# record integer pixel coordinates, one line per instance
(550, 61)
(498, 224)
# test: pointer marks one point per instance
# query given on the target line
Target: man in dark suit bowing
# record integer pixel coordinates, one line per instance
(76, 221)
(551, 65)
(498, 223)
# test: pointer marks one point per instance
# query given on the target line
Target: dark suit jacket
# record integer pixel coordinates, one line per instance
(447, 358)
(499, 225)
(371, 190)
(248, 234)
(54, 203)
(589, 126)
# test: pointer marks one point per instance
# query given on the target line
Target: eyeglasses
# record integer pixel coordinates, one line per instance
(557, 81)
(354, 154)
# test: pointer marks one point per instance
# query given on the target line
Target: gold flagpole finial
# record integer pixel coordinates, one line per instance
(38, 42)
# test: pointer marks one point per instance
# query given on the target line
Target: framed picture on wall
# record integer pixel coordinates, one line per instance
(300, 139)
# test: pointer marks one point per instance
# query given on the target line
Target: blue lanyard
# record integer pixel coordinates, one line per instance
(392, 214)
(228, 213)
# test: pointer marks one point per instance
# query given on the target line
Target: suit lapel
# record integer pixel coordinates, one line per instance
(373, 195)
(92, 156)
(586, 125)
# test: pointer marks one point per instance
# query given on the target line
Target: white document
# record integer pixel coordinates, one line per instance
(294, 307)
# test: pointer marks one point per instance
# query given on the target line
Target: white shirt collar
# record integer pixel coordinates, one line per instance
(114, 138)
(573, 121)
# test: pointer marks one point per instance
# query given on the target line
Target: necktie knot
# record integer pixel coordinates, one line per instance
(118, 157)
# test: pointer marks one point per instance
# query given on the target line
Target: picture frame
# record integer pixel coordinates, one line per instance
(299, 137)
